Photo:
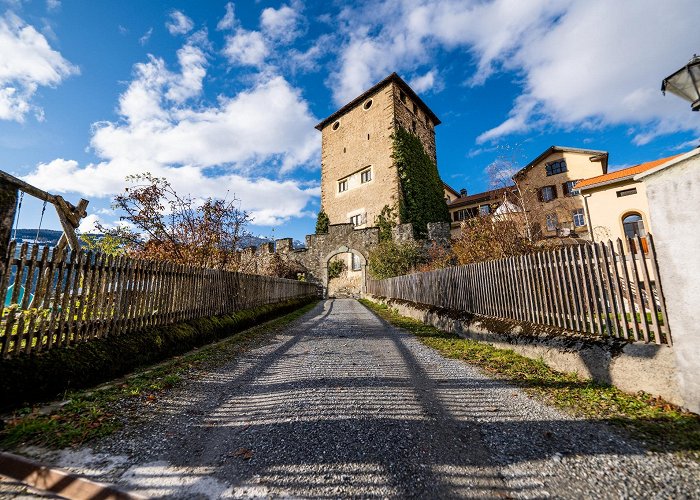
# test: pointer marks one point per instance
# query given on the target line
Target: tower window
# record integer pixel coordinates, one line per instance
(366, 175)
(357, 220)
(342, 185)
(402, 96)
(368, 104)
(413, 126)
(415, 109)
(336, 125)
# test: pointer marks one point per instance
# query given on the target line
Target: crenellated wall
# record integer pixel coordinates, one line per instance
(312, 261)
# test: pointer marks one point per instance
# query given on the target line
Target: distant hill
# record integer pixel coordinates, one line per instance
(50, 237)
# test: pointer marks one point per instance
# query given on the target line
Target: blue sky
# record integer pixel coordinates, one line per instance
(221, 98)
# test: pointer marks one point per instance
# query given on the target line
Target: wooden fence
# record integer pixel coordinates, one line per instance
(599, 289)
(52, 300)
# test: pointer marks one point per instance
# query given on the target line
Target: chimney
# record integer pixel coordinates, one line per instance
(462, 193)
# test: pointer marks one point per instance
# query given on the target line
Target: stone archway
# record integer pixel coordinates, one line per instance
(352, 281)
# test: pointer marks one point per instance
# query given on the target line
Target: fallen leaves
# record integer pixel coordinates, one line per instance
(243, 453)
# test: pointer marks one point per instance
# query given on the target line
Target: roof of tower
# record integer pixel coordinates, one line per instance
(360, 98)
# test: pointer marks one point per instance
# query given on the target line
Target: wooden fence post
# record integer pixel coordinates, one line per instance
(8, 205)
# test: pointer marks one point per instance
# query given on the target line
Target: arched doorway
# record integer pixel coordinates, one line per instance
(633, 226)
(344, 273)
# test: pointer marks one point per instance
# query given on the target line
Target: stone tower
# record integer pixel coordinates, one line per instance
(358, 174)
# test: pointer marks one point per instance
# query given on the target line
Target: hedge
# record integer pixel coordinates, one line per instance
(41, 376)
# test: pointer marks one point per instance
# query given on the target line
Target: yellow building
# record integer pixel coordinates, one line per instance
(548, 188)
(617, 205)
(358, 174)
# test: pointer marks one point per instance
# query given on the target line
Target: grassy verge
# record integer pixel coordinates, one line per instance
(661, 425)
(94, 413)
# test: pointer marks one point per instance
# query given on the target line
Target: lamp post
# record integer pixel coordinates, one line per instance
(685, 83)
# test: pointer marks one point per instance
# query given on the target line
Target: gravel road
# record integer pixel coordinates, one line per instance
(341, 404)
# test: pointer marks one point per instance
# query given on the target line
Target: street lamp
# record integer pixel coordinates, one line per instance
(685, 83)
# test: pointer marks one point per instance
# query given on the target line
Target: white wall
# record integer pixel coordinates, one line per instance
(673, 192)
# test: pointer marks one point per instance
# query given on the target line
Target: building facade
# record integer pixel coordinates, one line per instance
(617, 205)
(548, 187)
(358, 175)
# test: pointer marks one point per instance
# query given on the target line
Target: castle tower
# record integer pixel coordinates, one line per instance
(358, 174)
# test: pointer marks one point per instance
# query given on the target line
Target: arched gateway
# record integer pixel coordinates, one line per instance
(341, 241)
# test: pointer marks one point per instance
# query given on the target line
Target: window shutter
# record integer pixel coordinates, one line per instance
(554, 192)
(539, 195)
(565, 188)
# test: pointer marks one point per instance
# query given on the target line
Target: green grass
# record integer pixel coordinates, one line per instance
(91, 414)
(658, 423)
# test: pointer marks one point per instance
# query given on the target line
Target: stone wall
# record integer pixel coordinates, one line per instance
(631, 367)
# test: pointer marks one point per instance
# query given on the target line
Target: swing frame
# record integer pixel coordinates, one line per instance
(69, 215)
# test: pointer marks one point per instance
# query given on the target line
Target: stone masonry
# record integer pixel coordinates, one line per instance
(357, 139)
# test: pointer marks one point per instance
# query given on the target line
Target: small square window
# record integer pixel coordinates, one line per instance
(579, 219)
(626, 192)
(484, 209)
(356, 263)
(342, 185)
(548, 193)
(569, 188)
(366, 176)
(402, 96)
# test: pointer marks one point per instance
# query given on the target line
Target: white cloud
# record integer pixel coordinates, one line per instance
(229, 19)
(179, 23)
(146, 37)
(203, 150)
(53, 4)
(424, 82)
(27, 61)
(246, 48)
(283, 24)
(579, 62)
(89, 224)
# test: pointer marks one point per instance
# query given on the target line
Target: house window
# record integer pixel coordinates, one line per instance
(413, 126)
(569, 189)
(357, 220)
(336, 125)
(342, 185)
(548, 193)
(415, 109)
(402, 96)
(460, 215)
(368, 104)
(556, 167)
(579, 219)
(552, 222)
(356, 264)
(484, 209)
(626, 192)
(366, 175)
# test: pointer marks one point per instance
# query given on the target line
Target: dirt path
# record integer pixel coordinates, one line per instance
(342, 404)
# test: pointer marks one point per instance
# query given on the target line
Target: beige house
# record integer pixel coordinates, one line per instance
(616, 204)
(549, 194)
(358, 175)
(546, 188)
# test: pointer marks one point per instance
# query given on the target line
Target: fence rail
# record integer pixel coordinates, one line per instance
(53, 300)
(598, 289)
